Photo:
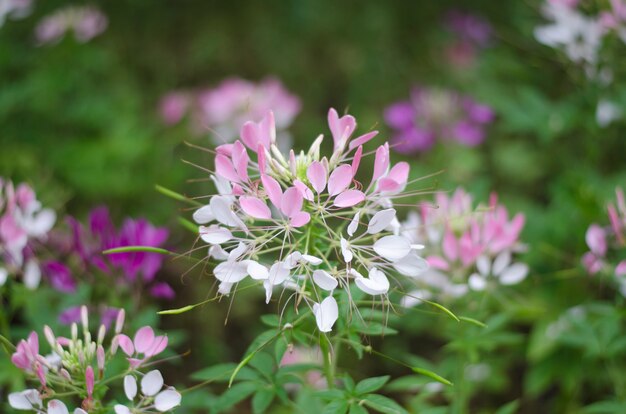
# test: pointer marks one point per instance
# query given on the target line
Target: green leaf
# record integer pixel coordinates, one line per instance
(384, 404)
(357, 409)
(442, 308)
(473, 321)
(176, 196)
(336, 407)
(130, 249)
(373, 328)
(509, 408)
(257, 344)
(348, 383)
(273, 321)
(369, 385)
(279, 349)
(432, 375)
(330, 394)
(263, 362)
(220, 372)
(262, 400)
(235, 394)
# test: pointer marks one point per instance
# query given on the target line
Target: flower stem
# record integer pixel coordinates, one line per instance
(329, 366)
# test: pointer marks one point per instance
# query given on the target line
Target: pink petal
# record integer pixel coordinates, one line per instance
(225, 149)
(620, 269)
(449, 245)
(399, 173)
(316, 173)
(596, 239)
(362, 140)
(158, 345)
(291, 202)
(300, 219)
(438, 262)
(250, 135)
(33, 342)
(240, 160)
(356, 161)
(381, 162)
(224, 168)
(272, 189)
(126, 344)
(349, 198)
(387, 185)
(254, 207)
(144, 339)
(339, 179)
(260, 152)
(304, 190)
(267, 128)
(341, 128)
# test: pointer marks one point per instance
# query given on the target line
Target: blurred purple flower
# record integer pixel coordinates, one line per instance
(433, 114)
(72, 315)
(471, 34)
(86, 22)
(60, 277)
(103, 235)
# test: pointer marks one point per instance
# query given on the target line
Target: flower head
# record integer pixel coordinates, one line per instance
(304, 221)
(86, 22)
(434, 114)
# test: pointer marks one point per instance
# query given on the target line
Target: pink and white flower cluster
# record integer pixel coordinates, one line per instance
(76, 367)
(607, 244)
(307, 222)
(223, 109)
(14, 9)
(466, 249)
(23, 222)
(86, 22)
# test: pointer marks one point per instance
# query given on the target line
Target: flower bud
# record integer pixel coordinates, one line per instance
(119, 323)
(50, 336)
(84, 317)
(101, 333)
(100, 356)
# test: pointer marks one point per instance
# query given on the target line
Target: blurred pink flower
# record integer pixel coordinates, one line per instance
(224, 109)
(86, 22)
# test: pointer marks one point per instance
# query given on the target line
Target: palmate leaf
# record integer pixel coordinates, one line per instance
(336, 407)
(262, 400)
(357, 409)
(235, 394)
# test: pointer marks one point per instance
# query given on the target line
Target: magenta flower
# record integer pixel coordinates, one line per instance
(134, 266)
(59, 276)
(433, 114)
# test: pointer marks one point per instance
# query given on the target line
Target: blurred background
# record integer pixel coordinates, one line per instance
(101, 101)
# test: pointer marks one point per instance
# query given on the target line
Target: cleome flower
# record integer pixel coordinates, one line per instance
(606, 244)
(152, 395)
(465, 249)
(76, 366)
(23, 222)
(305, 222)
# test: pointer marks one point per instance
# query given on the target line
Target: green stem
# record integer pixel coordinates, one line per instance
(329, 366)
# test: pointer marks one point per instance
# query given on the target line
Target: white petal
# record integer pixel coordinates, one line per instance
(483, 264)
(501, 262)
(268, 290)
(224, 288)
(231, 272)
(326, 314)
(345, 251)
(376, 284)
(237, 251)
(215, 234)
(477, 282)
(411, 265)
(203, 215)
(217, 252)
(324, 280)
(354, 224)
(257, 271)
(80, 411)
(32, 274)
(4, 275)
(220, 205)
(166, 400)
(392, 248)
(514, 274)
(222, 185)
(57, 407)
(41, 223)
(121, 409)
(279, 272)
(151, 383)
(312, 259)
(381, 220)
(24, 400)
(292, 259)
(130, 387)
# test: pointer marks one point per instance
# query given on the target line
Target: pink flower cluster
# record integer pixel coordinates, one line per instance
(306, 209)
(80, 363)
(603, 241)
(467, 248)
(23, 221)
(224, 109)
(433, 114)
(86, 22)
